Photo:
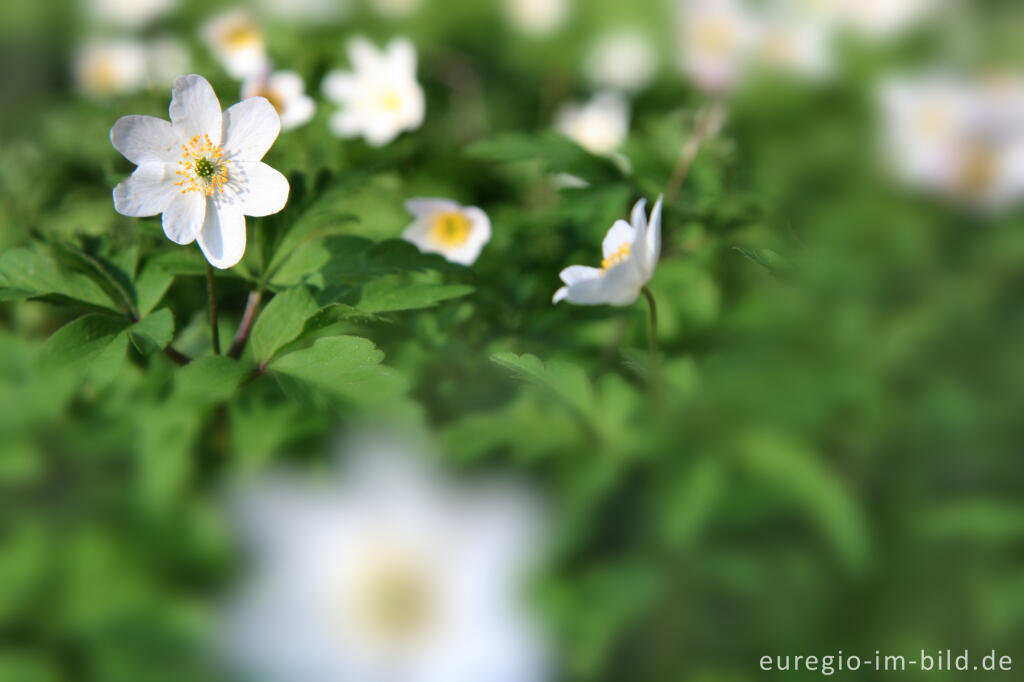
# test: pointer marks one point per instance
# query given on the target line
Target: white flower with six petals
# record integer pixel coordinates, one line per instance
(631, 252)
(443, 226)
(286, 91)
(202, 170)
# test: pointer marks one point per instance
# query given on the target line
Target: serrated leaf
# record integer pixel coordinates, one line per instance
(209, 380)
(383, 295)
(25, 273)
(346, 367)
(150, 286)
(153, 332)
(93, 343)
(566, 380)
(281, 321)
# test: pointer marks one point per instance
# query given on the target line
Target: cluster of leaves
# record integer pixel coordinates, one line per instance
(831, 442)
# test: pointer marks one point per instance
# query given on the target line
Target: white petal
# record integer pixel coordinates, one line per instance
(222, 237)
(339, 86)
(364, 55)
(620, 233)
(618, 285)
(422, 206)
(402, 57)
(250, 128)
(286, 84)
(147, 191)
(381, 130)
(560, 295)
(297, 112)
(345, 124)
(146, 139)
(654, 236)
(259, 189)
(183, 217)
(639, 216)
(574, 274)
(195, 109)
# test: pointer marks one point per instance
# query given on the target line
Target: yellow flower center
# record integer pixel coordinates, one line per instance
(242, 36)
(273, 97)
(201, 167)
(389, 101)
(619, 255)
(395, 602)
(450, 228)
(979, 170)
(715, 36)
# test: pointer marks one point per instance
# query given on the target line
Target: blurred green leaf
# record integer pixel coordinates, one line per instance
(93, 344)
(281, 321)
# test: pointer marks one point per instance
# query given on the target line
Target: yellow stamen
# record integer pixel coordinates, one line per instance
(202, 167)
(715, 36)
(978, 172)
(619, 255)
(273, 97)
(396, 602)
(450, 229)
(241, 36)
(389, 101)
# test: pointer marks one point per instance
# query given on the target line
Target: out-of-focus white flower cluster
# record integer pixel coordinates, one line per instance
(956, 137)
(389, 572)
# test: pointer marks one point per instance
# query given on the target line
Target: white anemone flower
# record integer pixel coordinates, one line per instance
(202, 170)
(287, 92)
(537, 18)
(796, 42)
(631, 252)
(131, 14)
(167, 58)
(600, 126)
(388, 573)
(236, 39)
(443, 226)
(623, 60)
(103, 68)
(715, 42)
(881, 19)
(380, 97)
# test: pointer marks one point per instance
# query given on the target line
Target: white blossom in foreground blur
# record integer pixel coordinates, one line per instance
(305, 11)
(600, 126)
(286, 91)
(379, 97)
(202, 170)
(236, 40)
(390, 572)
(623, 60)
(631, 252)
(716, 38)
(166, 59)
(796, 44)
(443, 226)
(884, 18)
(955, 137)
(537, 17)
(132, 14)
(104, 68)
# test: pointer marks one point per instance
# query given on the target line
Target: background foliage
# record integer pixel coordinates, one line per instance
(832, 462)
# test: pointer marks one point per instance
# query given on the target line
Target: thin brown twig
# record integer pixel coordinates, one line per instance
(707, 123)
(252, 306)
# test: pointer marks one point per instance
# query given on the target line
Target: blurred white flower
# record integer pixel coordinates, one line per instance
(388, 573)
(537, 17)
(132, 14)
(795, 44)
(304, 11)
(443, 226)
(624, 60)
(955, 137)
(884, 18)
(380, 96)
(716, 38)
(103, 68)
(600, 126)
(202, 170)
(167, 58)
(395, 9)
(236, 40)
(631, 252)
(286, 91)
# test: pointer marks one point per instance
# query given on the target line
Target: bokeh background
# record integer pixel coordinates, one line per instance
(832, 460)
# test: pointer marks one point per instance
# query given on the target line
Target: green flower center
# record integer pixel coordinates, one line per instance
(203, 167)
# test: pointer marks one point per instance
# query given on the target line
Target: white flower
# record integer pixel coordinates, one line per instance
(380, 97)
(202, 170)
(287, 92)
(388, 573)
(796, 44)
(237, 41)
(624, 60)
(715, 41)
(884, 18)
(442, 226)
(167, 58)
(395, 9)
(131, 14)
(305, 11)
(537, 17)
(600, 126)
(105, 68)
(631, 252)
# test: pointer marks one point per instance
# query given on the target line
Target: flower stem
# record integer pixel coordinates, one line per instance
(248, 317)
(652, 338)
(707, 123)
(211, 287)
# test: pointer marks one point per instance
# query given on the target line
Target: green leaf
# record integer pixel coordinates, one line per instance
(557, 152)
(281, 321)
(564, 379)
(153, 332)
(382, 295)
(25, 273)
(345, 367)
(93, 343)
(150, 286)
(209, 380)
